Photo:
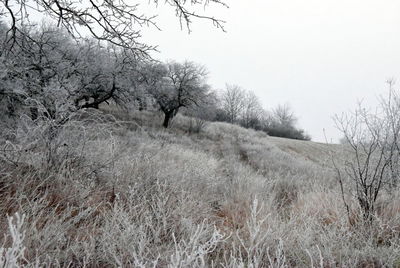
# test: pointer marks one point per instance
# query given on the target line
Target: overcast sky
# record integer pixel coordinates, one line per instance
(319, 56)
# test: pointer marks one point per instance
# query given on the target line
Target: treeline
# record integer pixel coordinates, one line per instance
(239, 106)
(45, 73)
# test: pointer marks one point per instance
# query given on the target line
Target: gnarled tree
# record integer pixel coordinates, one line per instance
(175, 85)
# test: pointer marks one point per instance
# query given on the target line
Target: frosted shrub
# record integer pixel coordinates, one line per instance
(193, 251)
(13, 256)
(254, 235)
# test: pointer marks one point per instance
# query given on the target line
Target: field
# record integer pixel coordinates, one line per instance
(115, 189)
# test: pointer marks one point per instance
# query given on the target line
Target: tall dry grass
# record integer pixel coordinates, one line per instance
(113, 191)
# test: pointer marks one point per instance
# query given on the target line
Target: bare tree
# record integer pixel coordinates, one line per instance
(175, 85)
(284, 116)
(372, 141)
(117, 22)
(252, 111)
(391, 112)
(232, 99)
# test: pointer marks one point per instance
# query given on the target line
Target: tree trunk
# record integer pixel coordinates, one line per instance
(167, 118)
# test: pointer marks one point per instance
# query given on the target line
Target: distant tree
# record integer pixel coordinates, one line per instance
(117, 22)
(284, 116)
(232, 102)
(175, 85)
(281, 122)
(252, 111)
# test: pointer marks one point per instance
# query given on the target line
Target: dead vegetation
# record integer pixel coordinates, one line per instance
(147, 197)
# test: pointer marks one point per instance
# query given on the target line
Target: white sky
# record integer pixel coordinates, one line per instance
(320, 56)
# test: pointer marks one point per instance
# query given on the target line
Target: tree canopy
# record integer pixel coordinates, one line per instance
(117, 22)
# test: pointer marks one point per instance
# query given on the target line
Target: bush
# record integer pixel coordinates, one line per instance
(289, 132)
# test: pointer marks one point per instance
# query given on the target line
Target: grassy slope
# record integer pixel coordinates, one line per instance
(130, 193)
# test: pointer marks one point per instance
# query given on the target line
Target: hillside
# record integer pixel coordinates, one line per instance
(115, 189)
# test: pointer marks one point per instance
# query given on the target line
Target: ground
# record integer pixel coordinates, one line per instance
(114, 188)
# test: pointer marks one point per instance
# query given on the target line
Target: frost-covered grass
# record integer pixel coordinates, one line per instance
(123, 192)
